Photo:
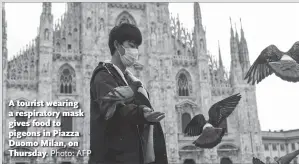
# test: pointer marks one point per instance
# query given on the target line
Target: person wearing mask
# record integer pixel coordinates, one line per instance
(133, 135)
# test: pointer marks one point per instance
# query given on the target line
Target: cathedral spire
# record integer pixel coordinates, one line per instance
(244, 55)
(237, 35)
(235, 67)
(199, 33)
(4, 37)
(221, 71)
(197, 15)
(242, 32)
(47, 8)
(232, 37)
(4, 25)
(220, 58)
(231, 29)
(46, 25)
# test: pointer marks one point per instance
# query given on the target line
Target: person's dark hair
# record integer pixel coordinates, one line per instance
(124, 32)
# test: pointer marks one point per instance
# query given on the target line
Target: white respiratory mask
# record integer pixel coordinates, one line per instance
(130, 56)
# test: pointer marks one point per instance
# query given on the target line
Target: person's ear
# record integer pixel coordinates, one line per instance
(116, 44)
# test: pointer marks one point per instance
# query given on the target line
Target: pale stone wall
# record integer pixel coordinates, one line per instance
(166, 51)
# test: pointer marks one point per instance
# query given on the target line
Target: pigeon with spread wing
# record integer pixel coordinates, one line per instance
(271, 60)
(209, 132)
(288, 157)
(282, 160)
(257, 161)
(124, 95)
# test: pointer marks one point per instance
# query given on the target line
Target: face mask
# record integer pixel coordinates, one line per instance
(130, 56)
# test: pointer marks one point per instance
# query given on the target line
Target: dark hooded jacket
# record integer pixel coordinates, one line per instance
(118, 140)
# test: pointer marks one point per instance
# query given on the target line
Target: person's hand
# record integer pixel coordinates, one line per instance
(152, 116)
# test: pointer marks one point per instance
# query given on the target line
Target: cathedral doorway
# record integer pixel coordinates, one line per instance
(189, 161)
(226, 160)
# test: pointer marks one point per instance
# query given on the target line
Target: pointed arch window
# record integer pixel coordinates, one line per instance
(183, 86)
(19, 75)
(89, 23)
(26, 74)
(201, 43)
(63, 43)
(186, 118)
(21, 119)
(69, 44)
(67, 80)
(101, 24)
(226, 160)
(189, 161)
(32, 75)
(13, 74)
(46, 34)
(57, 45)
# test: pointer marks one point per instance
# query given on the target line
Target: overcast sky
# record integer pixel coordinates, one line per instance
(263, 24)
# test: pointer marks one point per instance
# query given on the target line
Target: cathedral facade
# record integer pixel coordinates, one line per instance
(182, 78)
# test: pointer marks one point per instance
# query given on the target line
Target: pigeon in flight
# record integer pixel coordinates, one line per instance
(282, 160)
(209, 132)
(284, 64)
(257, 161)
(288, 158)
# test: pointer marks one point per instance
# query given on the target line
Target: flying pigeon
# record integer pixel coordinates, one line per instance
(282, 160)
(209, 132)
(288, 158)
(257, 161)
(284, 64)
(124, 95)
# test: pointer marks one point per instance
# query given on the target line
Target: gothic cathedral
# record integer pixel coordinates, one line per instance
(175, 66)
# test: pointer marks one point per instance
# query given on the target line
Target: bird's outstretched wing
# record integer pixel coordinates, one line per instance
(194, 127)
(257, 161)
(288, 158)
(222, 109)
(294, 51)
(260, 69)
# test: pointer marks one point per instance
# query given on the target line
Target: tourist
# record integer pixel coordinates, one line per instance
(121, 138)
